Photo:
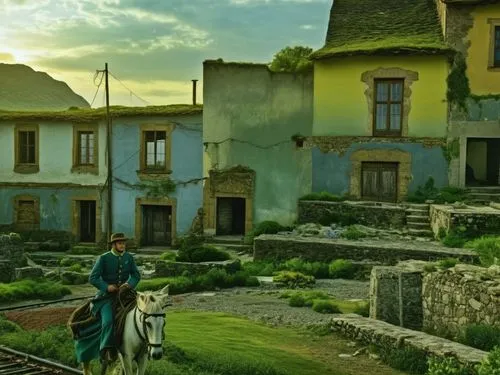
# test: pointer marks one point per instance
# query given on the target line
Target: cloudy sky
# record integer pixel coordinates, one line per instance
(155, 47)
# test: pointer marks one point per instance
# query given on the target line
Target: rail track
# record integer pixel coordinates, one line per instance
(14, 362)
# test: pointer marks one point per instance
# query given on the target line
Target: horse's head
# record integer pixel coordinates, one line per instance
(153, 309)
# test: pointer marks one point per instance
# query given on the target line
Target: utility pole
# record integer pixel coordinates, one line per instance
(109, 225)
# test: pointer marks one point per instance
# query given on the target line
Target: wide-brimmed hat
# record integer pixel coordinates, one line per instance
(117, 237)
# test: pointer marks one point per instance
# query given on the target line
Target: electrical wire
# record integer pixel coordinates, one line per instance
(98, 85)
(129, 90)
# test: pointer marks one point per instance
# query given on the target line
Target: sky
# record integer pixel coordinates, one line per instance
(154, 47)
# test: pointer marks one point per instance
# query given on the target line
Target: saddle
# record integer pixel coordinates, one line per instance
(82, 323)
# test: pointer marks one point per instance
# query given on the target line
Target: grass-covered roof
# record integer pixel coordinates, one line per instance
(371, 27)
(91, 115)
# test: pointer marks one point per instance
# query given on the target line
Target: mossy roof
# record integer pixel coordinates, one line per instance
(92, 115)
(383, 27)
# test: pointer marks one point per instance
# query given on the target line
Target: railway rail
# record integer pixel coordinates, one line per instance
(18, 363)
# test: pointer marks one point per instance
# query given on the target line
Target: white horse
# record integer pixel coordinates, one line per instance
(142, 333)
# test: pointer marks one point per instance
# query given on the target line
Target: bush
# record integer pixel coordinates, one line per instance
(363, 310)
(323, 196)
(259, 268)
(325, 307)
(490, 365)
(457, 237)
(74, 278)
(448, 263)
(317, 269)
(297, 300)
(408, 359)
(85, 250)
(481, 336)
(205, 253)
(488, 248)
(169, 255)
(6, 326)
(32, 289)
(353, 233)
(294, 279)
(268, 227)
(430, 192)
(76, 267)
(68, 262)
(342, 269)
(446, 366)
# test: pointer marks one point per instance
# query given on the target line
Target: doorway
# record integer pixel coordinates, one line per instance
(379, 181)
(87, 225)
(156, 225)
(231, 213)
(483, 162)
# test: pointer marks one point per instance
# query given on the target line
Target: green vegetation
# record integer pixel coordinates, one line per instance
(213, 279)
(341, 269)
(389, 26)
(294, 279)
(430, 192)
(491, 365)
(76, 267)
(292, 60)
(363, 310)
(481, 336)
(317, 269)
(86, 250)
(325, 307)
(74, 278)
(446, 366)
(458, 83)
(323, 196)
(353, 233)
(452, 150)
(204, 253)
(168, 255)
(448, 263)
(265, 227)
(458, 237)
(407, 359)
(68, 262)
(488, 248)
(311, 297)
(32, 289)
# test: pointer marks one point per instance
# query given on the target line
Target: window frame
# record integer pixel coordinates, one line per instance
(78, 167)
(20, 167)
(493, 65)
(496, 28)
(168, 129)
(387, 132)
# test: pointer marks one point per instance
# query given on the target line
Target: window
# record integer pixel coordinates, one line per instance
(388, 108)
(155, 149)
(496, 49)
(85, 149)
(26, 149)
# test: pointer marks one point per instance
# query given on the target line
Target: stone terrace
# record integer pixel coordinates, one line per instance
(281, 247)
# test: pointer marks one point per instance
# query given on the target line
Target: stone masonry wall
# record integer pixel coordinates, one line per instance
(11, 256)
(371, 214)
(461, 296)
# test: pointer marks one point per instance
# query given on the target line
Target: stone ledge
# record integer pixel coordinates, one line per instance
(167, 268)
(382, 334)
(319, 249)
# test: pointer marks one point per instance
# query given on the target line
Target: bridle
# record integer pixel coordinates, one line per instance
(144, 328)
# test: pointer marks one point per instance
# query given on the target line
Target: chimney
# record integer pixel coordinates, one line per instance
(194, 90)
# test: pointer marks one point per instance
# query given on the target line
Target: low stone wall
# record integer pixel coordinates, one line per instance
(374, 214)
(277, 247)
(7, 271)
(460, 296)
(388, 336)
(166, 268)
(476, 220)
(12, 248)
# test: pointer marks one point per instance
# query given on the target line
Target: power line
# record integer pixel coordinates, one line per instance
(98, 85)
(131, 92)
(249, 143)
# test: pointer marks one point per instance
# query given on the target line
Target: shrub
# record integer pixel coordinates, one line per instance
(325, 307)
(457, 237)
(74, 278)
(323, 196)
(189, 241)
(481, 336)
(488, 248)
(353, 233)
(259, 268)
(268, 227)
(448, 263)
(408, 359)
(491, 364)
(32, 289)
(168, 255)
(451, 194)
(446, 366)
(85, 250)
(342, 269)
(76, 267)
(205, 253)
(6, 326)
(317, 269)
(363, 310)
(297, 300)
(68, 262)
(294, 279)
(426, 192)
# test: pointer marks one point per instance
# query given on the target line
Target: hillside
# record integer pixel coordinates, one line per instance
(23, 89)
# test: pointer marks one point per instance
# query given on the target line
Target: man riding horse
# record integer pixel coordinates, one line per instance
(113, 270)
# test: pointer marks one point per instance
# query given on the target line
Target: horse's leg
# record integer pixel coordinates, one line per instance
(126, 361)
(86, 368)
(142, 363)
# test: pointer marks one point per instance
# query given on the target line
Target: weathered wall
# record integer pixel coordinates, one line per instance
(340, 104)
(249, 117)
(460, 296)
(332, 171)
(478, 220)
(11, 256)
(186, 165)
(376, 215)
(55, 155)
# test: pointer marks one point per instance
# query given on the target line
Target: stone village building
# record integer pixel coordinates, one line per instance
(53, 173)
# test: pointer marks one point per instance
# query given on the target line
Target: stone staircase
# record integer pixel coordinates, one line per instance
(234, 243)
(417, 219)
(483, 195)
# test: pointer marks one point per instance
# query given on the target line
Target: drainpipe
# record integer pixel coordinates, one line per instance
(194, 90)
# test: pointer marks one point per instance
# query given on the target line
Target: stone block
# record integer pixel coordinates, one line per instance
(12, 248)
(29, 273)
(166, 268)
(7, 271)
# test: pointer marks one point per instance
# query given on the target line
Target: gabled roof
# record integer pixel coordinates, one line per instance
(92, 115)
(369, 27)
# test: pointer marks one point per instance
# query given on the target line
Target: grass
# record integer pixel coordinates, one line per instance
(32, 289)
(488, 248)
(481, 336)
(310, 297)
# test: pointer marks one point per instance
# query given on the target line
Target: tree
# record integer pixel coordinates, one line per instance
(292, 60)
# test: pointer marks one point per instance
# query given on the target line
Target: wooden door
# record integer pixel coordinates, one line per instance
(230, 216)
(379, 181)
(26, 215)
(87, 221)
(157, 225)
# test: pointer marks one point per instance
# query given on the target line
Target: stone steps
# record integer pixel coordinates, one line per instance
(419, 226)
(417, 212)
(421, 232)
(225, 240)
(417, 219)
(484, 197)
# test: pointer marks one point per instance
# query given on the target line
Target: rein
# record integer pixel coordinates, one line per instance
(144, 337)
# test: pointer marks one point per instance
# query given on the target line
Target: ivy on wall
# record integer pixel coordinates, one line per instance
(158, 189)
(458, 83)
(452, 150)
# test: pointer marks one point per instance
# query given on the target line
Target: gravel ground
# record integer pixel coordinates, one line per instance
(265, 305)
